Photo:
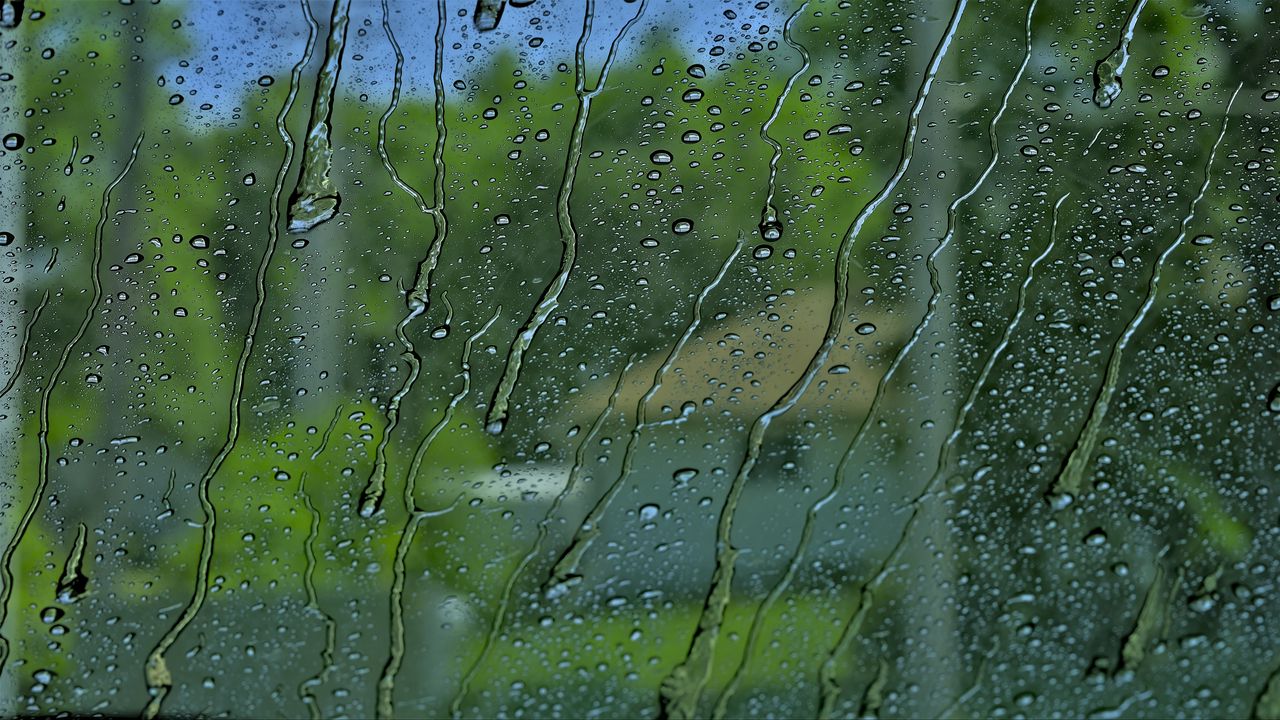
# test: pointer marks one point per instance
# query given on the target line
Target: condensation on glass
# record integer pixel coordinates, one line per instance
(608, 358)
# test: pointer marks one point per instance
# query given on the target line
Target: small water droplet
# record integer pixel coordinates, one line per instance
(682, 226)
(13, 141)
(865, 329)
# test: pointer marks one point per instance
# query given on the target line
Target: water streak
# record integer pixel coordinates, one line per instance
(1267, 705)
(26, 342)
(1134, 646)
(770, 225)
(159, 679)
(315, 199)
(42, 471)
(550, 300)
(387, 682)
(74, 583)
(419, 297)
(306, 689)
(828, 685)
(1108, 74)
(328, 432)
(565, 571)
(683, 687)
(544, 527)
(837, 482)
(1067, 485)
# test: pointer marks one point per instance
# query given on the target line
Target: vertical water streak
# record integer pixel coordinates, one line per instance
(544, 526)
(770, 225)
(26, 342)
(74, 583)
(550, 300)
(42, 472)
(387, 682)
(315, 199)
(565, 570)
(828, 686)
(306, 688)
(837, 479)
(1266, 706)
(328, 432)
(156, 670)
(1108, 74)
(419, 297)
(683, 687)
(1067, 485)
(1134, 646)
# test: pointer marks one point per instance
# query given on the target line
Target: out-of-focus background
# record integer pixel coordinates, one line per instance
(858, 358)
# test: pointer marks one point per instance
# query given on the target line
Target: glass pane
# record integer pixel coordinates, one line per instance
(534, 358)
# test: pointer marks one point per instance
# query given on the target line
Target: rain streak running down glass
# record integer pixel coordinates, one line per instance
(640, 358)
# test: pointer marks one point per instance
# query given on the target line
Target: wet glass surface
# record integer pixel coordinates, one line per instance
(521, 358)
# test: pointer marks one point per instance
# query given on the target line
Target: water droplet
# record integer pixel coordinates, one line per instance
(762, 252)
(266, 81)
(660, 157)
(175, 99)
(1202, 240)
(865, 329)
(648, 512)
(250, 179)
(690, 137)
(1160, 71)
(839, 370)
(200, 241)
(6, 238)
(1202, 603)
(692, 95)
(683, 476)
(13, 141)
(682, 226)
(697, 71)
